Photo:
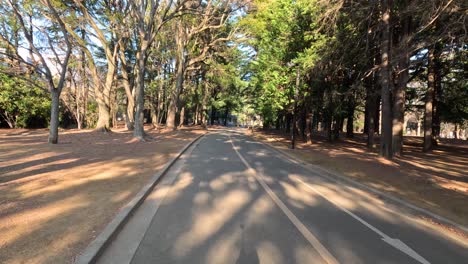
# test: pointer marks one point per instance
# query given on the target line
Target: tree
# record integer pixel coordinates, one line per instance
(148, 16)
(197, 33)
(22, 105)
(47, 21)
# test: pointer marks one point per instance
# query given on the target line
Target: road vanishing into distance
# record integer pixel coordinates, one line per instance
(230, 199)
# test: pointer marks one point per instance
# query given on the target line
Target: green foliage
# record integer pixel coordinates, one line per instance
(22, 104)
(285, 38)
(92, 114)
(454, 103)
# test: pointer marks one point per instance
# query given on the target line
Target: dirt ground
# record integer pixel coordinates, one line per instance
(54, 199)
(437, 181)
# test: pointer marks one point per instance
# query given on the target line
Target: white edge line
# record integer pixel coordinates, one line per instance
(343, 179)
(405, 249)
(323, 252)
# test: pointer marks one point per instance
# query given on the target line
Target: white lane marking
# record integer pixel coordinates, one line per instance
(396, 243)
(324, 253)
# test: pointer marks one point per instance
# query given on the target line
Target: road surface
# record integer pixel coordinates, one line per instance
(230, 199)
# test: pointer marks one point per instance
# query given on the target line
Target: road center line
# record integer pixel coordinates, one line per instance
(323, 252)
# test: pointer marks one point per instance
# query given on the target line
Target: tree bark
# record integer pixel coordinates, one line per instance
(213, 113)
(377, 112)
(180, 71)
(303, 123)
(139, 131)
(82, 89)
(400, 89)
(385, 80)
(428, 107)
(182, 116)
(309, 129)
(371, 98)
(437, 93)
(350, 118)
(171, 113)
(54, 116)
(399, 106)
(129, 91)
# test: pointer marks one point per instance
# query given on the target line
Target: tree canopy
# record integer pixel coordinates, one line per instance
(302, 66)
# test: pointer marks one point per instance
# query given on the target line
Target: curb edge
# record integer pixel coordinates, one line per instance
(100, 243)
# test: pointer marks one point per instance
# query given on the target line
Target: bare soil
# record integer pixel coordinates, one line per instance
(54, 199)
(437, 181)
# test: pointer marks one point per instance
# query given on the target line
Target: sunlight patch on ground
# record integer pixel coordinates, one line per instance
(17, 226)
(299, 193)
(208, 221)
(304, 254)
(182, 182)
(219, 183)
(269, 253)
(261, 207)
(226, 248)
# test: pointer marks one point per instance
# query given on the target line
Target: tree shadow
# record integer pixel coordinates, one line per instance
(59, 196)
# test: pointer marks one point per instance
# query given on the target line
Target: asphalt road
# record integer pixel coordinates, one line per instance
(230, 199)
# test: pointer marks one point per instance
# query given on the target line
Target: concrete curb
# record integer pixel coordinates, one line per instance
(343, 179)
(99, 244)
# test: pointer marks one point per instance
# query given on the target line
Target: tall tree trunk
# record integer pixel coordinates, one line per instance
(371, 127)
(400, 89)
(385, 80)
(154, 114)
(104, 96)
(104, 99)
(180, 70)
(101, 96)
(182, 116)
(315, 120)
(428, 107)
(139, 131)
(130, 111)
(338, 127)
(350, 118)
(399, 105)
(309, 128)
(54, 116)
(371, 99)
(213, 113)
(366, 113)
(103, 123)
(329, 124)
(437, 93)
(196, 115)
(174, 98)
(129, 91)
(303, 123)
(114, 108)
(204, 105)
(377, 112)
(171, 113)
(81, 92)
